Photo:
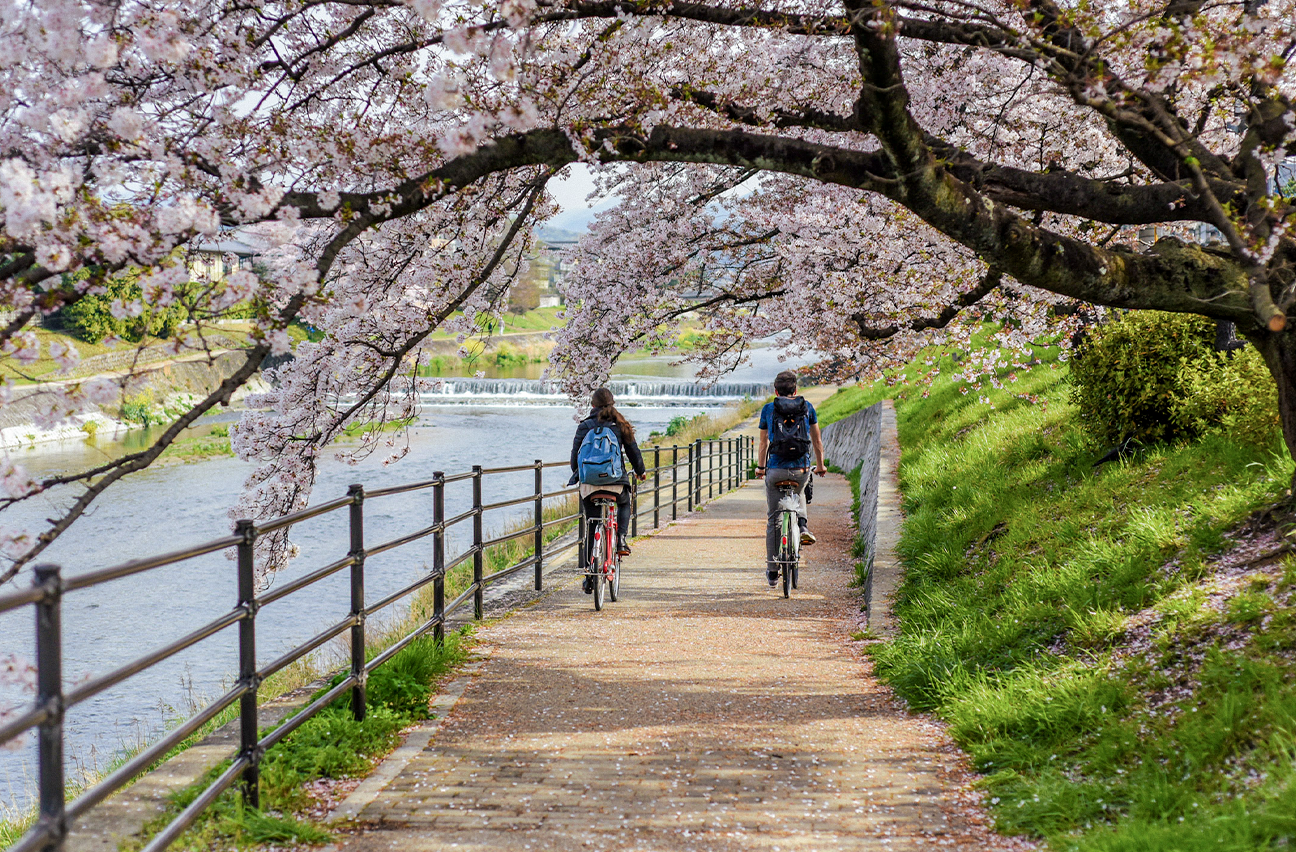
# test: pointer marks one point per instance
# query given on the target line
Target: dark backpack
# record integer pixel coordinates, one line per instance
(598, 461)
(789, 432)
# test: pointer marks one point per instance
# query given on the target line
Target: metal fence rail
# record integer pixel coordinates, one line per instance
(703, 468)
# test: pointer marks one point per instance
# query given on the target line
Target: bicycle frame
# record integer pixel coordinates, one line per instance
(602, 560)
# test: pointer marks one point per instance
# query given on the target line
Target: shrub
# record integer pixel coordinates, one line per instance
(139, 409)
(676, 425)
(1157, 377)
(91, 319)
(1236, 395)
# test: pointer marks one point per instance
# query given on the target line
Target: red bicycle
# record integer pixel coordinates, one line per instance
(603, 564)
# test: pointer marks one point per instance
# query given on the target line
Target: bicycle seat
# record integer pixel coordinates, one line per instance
(789, 485)
(600, 496)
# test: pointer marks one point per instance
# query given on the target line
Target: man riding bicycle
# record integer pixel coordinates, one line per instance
(789, 428)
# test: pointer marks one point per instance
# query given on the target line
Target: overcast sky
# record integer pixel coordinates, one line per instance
(570, 188)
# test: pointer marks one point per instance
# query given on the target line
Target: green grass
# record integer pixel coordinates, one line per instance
(330, 745)
(1024, 565)
(540, 319)
(44, 369)
(703, 427)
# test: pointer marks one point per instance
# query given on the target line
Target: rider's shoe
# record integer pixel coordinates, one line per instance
(807, 537)
(623, 546)
(588, 585)
(772, 576)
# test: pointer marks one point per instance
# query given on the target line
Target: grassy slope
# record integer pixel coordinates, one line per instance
(1060, 618)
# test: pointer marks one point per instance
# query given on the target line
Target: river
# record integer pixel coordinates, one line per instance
(162, 509)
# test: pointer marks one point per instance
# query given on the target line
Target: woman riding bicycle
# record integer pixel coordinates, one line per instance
(603, 413)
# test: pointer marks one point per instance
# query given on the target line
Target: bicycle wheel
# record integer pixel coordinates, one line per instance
(787, 551)
(596, 563)
(611, 561)
(613, 569)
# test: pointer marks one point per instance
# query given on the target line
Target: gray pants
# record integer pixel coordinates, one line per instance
(773, 476)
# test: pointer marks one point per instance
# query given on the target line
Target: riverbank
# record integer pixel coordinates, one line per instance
(154, 394)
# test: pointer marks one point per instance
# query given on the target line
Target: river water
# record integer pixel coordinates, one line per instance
(166, 508)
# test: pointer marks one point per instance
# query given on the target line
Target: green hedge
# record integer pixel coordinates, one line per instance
(1157, 377)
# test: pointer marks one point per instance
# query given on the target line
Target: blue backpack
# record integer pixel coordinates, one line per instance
(598, 461)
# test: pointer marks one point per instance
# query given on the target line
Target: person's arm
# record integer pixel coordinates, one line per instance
(636, 457)
(580, 436)
(762, 450)
(816, 438)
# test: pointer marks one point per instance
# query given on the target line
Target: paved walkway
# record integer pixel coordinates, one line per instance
(702, 711)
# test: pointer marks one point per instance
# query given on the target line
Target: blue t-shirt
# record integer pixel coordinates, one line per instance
(774, 460)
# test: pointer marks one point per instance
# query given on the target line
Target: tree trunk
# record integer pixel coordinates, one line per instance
(1279, 351)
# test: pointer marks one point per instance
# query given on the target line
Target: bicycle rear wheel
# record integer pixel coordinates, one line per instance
(596, 563)
(787, 551)
(612, 562)
(614, 578)
(599, 585)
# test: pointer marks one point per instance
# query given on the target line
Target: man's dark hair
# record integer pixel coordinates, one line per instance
(785, 383)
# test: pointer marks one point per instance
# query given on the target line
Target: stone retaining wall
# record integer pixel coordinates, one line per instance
(855, 443)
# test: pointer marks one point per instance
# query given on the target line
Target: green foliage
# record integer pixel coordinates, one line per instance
(678, 424)
(508, 355)
(90, 318)
(1024, 566)
(330, 744)
(299, 331)
(140, 409)
(691, 338)
(1155, 376)
(1234, 395)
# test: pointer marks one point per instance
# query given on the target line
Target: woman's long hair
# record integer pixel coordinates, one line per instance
(605, 412)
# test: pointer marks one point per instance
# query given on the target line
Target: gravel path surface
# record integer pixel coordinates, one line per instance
(702, 711)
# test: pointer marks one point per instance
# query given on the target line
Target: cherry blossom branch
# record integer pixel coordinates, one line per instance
(993, 278)
(522, 218)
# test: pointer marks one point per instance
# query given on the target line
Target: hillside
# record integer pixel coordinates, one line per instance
(1113, 646)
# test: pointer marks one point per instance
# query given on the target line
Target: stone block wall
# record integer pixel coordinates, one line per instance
(855, 443)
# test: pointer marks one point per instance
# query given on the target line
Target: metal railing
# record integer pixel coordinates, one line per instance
(691, 475)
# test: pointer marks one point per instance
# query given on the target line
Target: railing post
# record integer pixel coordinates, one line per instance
(438, 556)
(656, 487)
(49, 694)
(728, 463)
(539, 524)
(478, 556)
(248, 733)
(634, 506)
(692, 453)
(356, 493)
(697, 475)
(711, 469)
(732, 456)
(674, 482)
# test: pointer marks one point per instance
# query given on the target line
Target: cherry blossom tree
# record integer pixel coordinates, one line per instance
(866, 174)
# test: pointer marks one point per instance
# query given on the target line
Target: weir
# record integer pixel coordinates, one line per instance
(627, 390)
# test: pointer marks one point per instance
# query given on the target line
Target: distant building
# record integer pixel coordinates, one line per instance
(550, 267)
(212, 260)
